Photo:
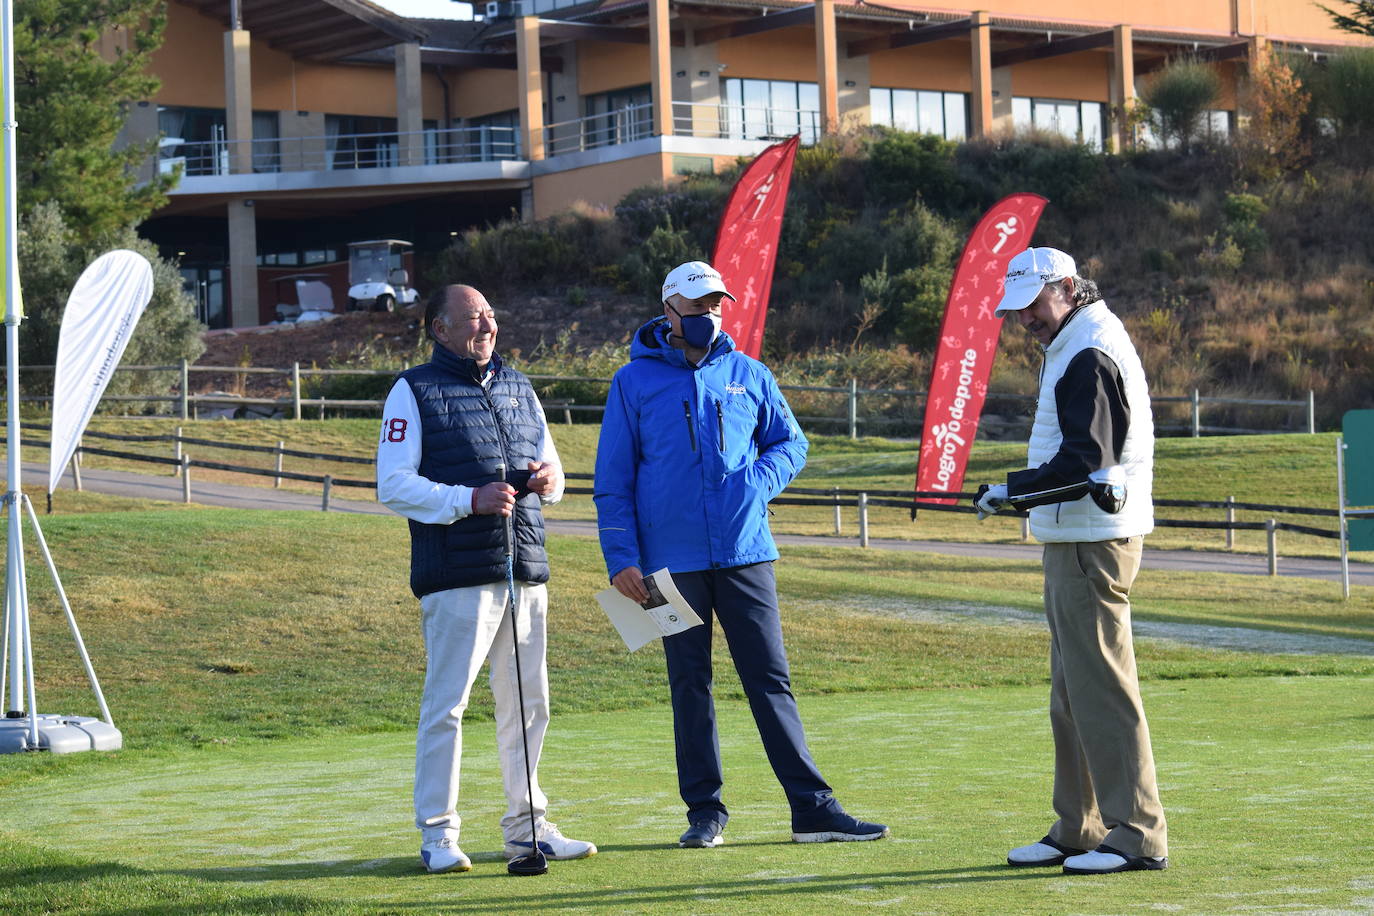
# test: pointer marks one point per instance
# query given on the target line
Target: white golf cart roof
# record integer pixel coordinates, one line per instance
(380, 242)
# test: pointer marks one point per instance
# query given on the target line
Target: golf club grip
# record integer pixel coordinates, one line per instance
(509, 519)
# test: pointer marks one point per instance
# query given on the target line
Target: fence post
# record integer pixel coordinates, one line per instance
(837, 511)
(76, 469)
(328, 483)
(863, 519)
(177, 453)
(1271, 530)
(296, 390)
(1025, 529)
(321, 407)
(1311, 411)
(1230, 520)
(185, 391)
(276, 481)
(1197, 414)
(185, 478)
(853, 408)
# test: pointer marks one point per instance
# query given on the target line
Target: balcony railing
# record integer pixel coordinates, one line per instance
(706, 120)
(710, 120)
(341, 151)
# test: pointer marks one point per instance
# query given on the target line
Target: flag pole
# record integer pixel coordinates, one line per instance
(17, 637)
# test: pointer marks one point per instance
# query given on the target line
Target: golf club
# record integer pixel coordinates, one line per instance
(534, 862)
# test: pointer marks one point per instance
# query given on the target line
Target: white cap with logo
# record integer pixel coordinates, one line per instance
(1028, 273)
(693, 280)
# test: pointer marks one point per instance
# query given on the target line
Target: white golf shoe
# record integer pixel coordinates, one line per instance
(553, 844)
(1044, 853)
(443, 855)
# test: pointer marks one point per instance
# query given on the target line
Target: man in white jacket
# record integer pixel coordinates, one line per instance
(464, 444)
(1087, 486)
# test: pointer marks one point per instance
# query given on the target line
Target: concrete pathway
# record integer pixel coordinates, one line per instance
(238, 496)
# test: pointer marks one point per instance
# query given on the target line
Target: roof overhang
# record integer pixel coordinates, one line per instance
(316, 29)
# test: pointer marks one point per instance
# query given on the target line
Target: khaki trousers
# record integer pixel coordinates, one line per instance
(1104, 771)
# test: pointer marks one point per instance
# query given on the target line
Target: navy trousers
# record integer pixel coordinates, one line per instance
(745, 601)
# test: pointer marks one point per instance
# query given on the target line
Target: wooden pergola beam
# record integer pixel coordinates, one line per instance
(805, 15)
(864, 46)
(1053, 48)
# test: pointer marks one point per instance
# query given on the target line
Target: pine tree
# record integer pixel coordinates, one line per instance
(71, 101)
(1360, 19)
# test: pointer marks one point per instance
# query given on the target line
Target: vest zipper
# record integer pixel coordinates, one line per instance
(720, 425)
(687, 415)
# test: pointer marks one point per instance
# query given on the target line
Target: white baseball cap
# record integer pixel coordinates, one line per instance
(1028, 273)
(693, 280)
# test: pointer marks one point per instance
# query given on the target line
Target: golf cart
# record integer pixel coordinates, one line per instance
(313, 299)
(376, 279)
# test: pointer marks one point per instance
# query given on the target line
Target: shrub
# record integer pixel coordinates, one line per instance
(51, 259)
(1346, 91)
(1178, 95)
(1272, 142)
(643, 268)
(548, 255)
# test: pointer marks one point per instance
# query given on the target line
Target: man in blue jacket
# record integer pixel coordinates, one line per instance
(696, 440)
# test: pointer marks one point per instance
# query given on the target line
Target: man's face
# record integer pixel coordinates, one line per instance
(1042, 318)
(711, 302)
(468, 327)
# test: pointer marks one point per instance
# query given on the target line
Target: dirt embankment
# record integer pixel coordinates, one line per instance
(525, 322)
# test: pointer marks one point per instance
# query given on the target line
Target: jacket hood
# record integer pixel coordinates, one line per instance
(651, 342)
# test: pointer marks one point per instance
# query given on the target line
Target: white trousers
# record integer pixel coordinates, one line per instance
(462, 627)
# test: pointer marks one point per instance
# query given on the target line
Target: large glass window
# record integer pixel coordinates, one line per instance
(1081, 122)
(771, 109)
(617, 117)
(944, 114)
(492, 136)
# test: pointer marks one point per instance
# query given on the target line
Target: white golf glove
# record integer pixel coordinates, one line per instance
(991, 500)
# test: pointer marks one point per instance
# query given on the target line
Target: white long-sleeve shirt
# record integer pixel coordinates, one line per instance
(402, 489)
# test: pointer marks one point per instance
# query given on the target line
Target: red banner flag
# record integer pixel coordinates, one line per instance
(968, 343)
(747, 242)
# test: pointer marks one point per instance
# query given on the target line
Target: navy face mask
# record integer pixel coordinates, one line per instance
(698, 330)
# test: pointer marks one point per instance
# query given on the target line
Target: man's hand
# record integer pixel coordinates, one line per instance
(495, 498)
(543, 478)
(990, 500)
(630, 583)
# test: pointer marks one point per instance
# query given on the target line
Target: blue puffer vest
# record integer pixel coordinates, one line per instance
(468, 432)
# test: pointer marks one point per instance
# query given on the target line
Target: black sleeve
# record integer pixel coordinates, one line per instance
(1093, 416)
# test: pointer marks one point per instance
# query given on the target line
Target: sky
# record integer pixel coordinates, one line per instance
(429, 9)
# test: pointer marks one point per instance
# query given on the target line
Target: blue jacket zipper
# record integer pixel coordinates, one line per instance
(687, 415)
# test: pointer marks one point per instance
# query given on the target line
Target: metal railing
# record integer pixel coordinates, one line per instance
(902, 406)
(611, 128)
(342, 151)
(721, 121)
(836, 498)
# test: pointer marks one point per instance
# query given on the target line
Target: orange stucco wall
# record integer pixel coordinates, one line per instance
(942, 65)
(190, 64)
(483, 92)
(1085, 76)
(603, 66)
(785, 54)
(601, 185)
(1277, 18)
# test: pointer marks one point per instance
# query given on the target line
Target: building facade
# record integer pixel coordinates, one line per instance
(300, 127)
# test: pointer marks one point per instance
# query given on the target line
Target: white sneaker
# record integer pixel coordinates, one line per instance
(553, 844)
(443, 855)
(1046, 852)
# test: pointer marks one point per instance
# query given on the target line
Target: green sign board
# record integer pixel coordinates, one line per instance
(1357, 429)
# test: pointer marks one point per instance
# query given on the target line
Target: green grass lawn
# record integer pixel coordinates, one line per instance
(265, 669)
(1261, 778)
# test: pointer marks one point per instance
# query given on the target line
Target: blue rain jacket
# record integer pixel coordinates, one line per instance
(689, 457)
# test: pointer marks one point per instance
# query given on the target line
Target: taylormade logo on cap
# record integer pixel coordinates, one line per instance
(693, 280)
(1028, 273)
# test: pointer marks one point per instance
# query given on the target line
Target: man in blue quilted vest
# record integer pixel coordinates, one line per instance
(1087, 486)
(696, 440)
(449, 428)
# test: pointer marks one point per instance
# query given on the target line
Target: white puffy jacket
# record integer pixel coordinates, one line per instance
(1094, 326)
